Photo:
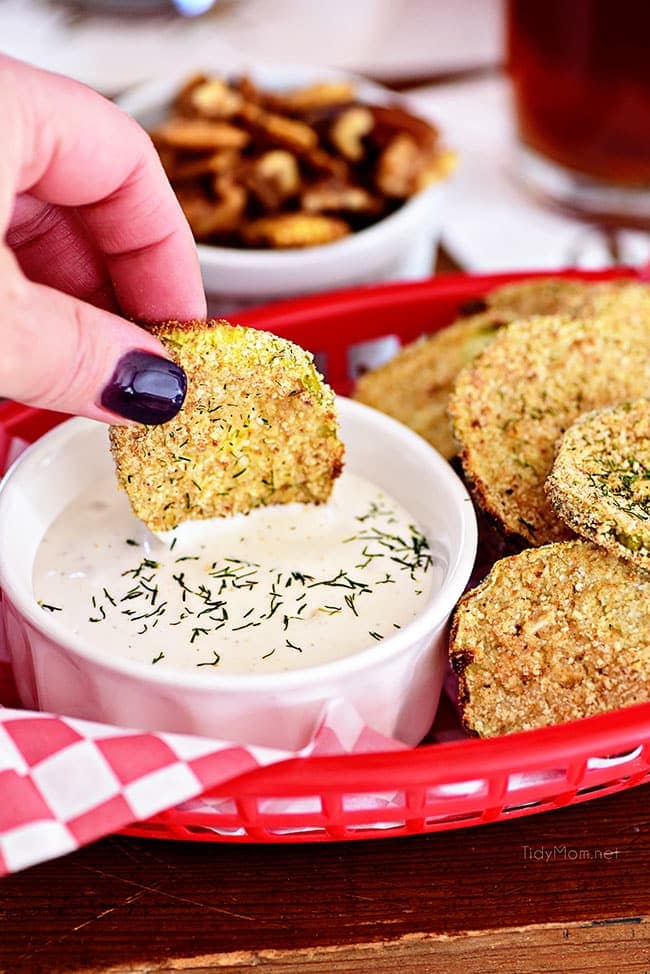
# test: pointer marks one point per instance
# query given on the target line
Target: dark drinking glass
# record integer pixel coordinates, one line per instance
(580, 72)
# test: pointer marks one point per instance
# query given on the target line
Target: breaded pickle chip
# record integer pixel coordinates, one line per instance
(538, 296)
(617, 299)
(600, 481)
(511, 407)
(258, 427)
(414, 386)
(552, 634)
(576, 299)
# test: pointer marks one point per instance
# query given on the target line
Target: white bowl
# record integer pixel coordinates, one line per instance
(401, 246)
(394, 685)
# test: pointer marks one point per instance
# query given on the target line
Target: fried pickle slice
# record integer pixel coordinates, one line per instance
(258, 427)
(510, 408)
(539, 296)
(415, 385)
(552, 634)
(600, 481)
(618, 299)
(557, 295)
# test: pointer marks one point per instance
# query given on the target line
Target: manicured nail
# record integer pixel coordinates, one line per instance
(145, 388)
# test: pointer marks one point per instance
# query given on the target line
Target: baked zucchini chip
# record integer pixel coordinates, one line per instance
(552, 634)
(511, 407)
(600, 481)
(258, 427)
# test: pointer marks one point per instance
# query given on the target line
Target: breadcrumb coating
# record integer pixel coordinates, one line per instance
(553, 634)
(258, 427)
(511, 407)
(539, 296)
(600, 481)
(414, 387)
(618, 300)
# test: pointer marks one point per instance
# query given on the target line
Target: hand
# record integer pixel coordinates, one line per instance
(91, 231)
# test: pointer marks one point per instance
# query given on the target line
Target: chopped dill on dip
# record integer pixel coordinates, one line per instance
(284, 587)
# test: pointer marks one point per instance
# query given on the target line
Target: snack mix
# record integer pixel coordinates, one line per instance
(256, 169)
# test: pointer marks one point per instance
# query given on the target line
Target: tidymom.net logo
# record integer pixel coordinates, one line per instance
(566, 853)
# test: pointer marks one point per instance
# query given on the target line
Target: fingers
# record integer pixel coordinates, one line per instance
(63, 354)
(52, 247)
(88, 154)
(148, 246)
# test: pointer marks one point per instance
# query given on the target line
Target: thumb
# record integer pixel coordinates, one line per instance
(60, 353)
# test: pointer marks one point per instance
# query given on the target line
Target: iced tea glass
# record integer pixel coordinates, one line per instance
(580, 73)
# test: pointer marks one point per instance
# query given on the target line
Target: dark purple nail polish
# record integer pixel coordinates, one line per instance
(145, 388)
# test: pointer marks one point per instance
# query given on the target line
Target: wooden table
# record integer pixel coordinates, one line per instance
(565, 891)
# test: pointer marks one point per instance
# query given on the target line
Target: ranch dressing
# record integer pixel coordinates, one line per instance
(284, 587)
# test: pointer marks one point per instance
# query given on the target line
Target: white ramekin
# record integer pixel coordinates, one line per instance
(394, 685)
(402, 246)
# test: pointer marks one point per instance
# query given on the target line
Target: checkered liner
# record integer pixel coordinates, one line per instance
(66, 782)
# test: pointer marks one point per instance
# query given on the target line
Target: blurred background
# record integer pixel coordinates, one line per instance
(450, 57)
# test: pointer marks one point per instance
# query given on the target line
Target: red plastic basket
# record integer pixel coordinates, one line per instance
(432, 787)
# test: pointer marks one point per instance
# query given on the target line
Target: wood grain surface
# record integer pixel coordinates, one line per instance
(566, 891)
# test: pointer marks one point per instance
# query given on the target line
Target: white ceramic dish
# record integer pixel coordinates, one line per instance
(394, 685)
(402, 246)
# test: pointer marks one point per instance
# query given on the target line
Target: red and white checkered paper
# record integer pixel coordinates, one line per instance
(65, 782)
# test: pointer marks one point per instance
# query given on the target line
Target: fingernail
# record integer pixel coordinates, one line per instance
(145, 388)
